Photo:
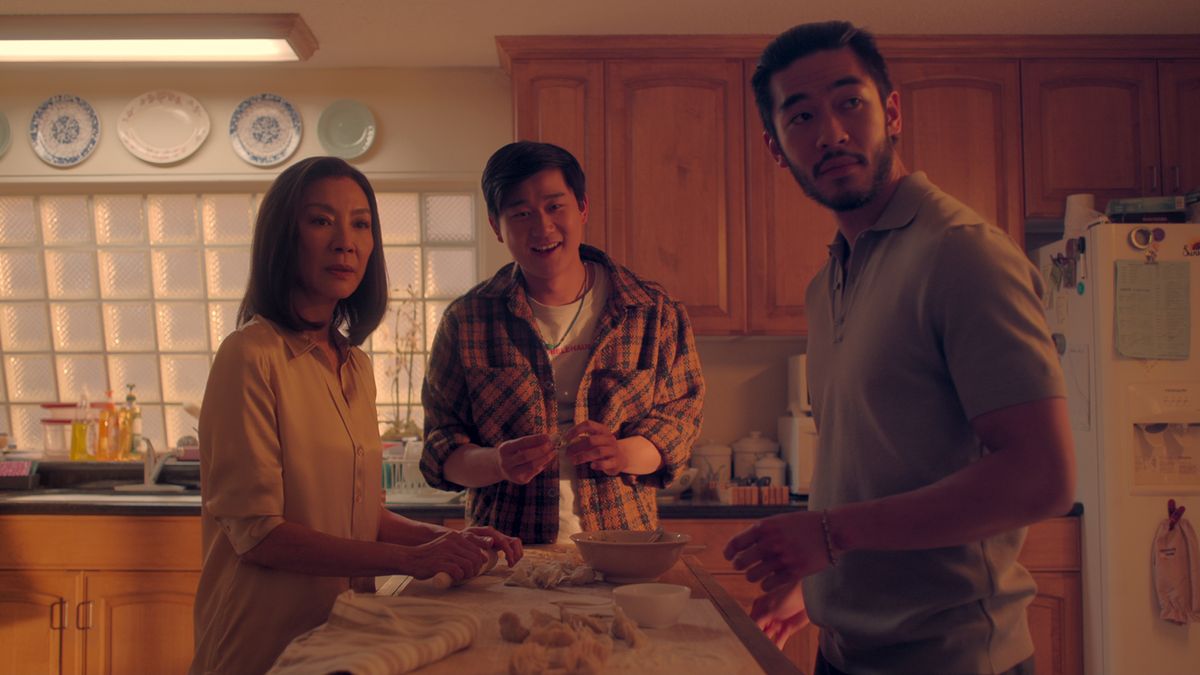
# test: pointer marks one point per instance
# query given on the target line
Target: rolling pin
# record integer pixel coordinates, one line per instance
(442, 581)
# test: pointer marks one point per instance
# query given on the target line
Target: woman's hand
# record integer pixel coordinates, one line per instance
(510, 546)
(780, 613)
(459, 554)
(523, 458)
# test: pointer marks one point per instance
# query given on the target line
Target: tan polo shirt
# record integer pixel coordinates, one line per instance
(933, 319)
(280, 440)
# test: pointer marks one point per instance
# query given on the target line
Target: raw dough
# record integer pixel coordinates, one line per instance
(511, 629)
(554, 635)
(551, 574)
(529, 659)
(624, 628)
(442, 581)
(580, 621)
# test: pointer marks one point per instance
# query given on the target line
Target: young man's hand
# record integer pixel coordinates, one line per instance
(593, 444)
(780, 550)
(523, 458)
(780, 613)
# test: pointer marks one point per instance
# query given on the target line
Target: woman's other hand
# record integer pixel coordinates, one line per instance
(458, 554)
(510, 546)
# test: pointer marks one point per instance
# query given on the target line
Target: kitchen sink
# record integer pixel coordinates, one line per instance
(101, 498)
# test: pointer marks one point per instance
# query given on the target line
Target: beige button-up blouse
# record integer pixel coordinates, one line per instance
(280, 440)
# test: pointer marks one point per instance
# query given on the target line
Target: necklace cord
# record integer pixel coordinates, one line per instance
(579, 310)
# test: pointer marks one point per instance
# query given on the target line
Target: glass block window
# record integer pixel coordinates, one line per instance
(98, 291)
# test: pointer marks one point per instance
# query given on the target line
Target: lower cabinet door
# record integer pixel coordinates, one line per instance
(138, 622)
(35, 623)
(1056, 623)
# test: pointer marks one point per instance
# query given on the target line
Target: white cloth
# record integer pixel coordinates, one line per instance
(1177, 572)
(379, 635)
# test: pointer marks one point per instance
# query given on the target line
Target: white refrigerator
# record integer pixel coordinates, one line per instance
(1122, 306)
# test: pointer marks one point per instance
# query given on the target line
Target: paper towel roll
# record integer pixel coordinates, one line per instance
(798, 445)
(798, 402)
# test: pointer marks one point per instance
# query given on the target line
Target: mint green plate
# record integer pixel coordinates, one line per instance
(346, 129)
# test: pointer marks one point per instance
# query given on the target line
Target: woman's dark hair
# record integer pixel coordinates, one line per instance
(805, 39)
(274, 255)
(509, 166)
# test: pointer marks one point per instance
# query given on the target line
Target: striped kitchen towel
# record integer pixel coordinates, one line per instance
(379, 635)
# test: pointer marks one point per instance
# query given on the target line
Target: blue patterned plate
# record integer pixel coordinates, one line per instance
(64, 130)
(265, 130)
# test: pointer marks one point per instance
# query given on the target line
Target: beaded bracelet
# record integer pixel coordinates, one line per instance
(828, 539)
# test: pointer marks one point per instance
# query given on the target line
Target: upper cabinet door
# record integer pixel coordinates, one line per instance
(562, 102)
(676, 188)
(961, 124)
(1179, 96)
(1090, 127)
(787, 239)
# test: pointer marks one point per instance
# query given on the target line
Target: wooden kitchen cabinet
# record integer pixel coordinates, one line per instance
(98, 594)
(1179, 106)
(1091, 126)
(961, 124)
(675, 158)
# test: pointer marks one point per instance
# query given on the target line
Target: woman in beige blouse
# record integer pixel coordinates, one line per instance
(290, 455)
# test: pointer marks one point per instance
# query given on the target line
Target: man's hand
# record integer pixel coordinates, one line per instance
(523, 458)
(780, 550)
(593, 444)
(509, 546)
(780, 613)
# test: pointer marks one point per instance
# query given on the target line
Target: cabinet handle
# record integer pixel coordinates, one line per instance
(1178, 184)
(79, 616)
(1152, 173)
(58, 615)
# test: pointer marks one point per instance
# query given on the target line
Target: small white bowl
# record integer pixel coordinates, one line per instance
(652, 605)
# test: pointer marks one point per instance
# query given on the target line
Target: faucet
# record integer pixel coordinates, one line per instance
(152, 466)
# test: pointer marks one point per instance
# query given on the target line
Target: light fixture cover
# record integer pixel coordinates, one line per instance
(132, 37)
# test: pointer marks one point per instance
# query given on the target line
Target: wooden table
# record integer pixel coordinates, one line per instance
(712, 635)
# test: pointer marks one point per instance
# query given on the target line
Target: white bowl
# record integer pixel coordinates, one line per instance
(630, 556)
(652, 605)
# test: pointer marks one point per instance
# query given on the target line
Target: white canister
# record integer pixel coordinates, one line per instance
(714, 460)
(770, 467)
(748, 450)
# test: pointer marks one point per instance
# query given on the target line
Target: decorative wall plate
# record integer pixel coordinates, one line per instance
(346, 129)
(163, 126)
(265, 130)
(64, 130)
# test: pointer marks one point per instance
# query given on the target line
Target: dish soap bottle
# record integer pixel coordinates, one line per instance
(79, 432)
(130, 427)
(106, 431)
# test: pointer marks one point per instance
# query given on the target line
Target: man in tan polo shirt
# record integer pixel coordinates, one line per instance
(938, 397)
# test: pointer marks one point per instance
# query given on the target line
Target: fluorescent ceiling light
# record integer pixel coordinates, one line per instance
(141, 38)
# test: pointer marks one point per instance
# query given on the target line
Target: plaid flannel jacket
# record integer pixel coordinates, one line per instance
(489, 380)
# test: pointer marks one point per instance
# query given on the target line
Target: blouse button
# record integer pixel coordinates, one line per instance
(358, 451)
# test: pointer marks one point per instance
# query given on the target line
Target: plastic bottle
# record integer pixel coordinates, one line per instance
(79, 432)
(133, 413)
(106, 431)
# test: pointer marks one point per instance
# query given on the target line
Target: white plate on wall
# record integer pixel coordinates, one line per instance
(265, 130)
(64, 130)
(163, 126)
(5, 134)
(346, 129)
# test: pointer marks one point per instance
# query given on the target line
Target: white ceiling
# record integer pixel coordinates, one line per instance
(428, 33)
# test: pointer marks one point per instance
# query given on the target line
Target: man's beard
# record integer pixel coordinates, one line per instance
(851, 199)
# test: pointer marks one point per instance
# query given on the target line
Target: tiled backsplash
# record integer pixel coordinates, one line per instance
(101, 290)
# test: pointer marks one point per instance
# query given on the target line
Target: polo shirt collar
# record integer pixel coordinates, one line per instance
(900, 211)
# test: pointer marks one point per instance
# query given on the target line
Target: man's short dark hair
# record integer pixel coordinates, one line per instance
(512, 164)
(806, 39)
